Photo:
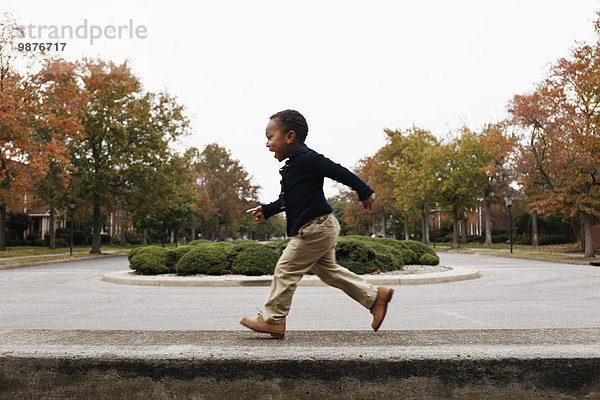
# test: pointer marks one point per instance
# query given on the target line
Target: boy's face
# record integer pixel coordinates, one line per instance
(279, 142)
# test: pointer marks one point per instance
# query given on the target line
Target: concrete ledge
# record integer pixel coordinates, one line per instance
(130, 278)
(490, 364)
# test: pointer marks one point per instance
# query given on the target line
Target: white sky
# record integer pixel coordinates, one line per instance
(351, 68)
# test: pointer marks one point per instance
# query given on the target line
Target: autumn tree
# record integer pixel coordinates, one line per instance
(497, 148)
(58, 121)
(560, 151)
(224, 190)
(125, 140)
(411, 156)
(19, 161)
(156, 181)
(460, 176)
(375, 171)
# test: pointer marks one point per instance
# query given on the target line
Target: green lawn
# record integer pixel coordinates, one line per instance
(564, 252)
(23, 251)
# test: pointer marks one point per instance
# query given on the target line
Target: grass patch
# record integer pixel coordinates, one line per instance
(26, 260)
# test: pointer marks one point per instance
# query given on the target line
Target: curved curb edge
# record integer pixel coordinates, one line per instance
(126, 278)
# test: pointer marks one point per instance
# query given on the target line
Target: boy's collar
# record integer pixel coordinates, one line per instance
(301, 148)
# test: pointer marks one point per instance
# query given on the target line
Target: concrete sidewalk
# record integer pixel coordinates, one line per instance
(391, 279)
(463, 364)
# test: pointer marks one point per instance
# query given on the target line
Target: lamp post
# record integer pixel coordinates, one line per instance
(72, 207)
(433, 233)
(508, 201)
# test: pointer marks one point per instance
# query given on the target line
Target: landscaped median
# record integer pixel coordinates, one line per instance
(203, 263)
(360, 254)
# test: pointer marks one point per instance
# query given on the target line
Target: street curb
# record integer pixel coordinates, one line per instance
(37, 263)
(220, 365)
(130, 278)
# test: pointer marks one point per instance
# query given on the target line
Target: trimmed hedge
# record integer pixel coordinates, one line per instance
(150, 261)
(174, 255)
(553, 239)
(356, 255)
(360, 254)
(255, 260)
(207, 259)
(429, 259)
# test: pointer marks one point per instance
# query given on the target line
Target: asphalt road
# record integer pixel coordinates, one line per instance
(512, 294)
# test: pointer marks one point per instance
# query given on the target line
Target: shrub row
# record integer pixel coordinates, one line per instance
(360, 254)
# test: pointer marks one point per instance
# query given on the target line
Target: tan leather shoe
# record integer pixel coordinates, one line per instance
(379, 308)
(258, 324)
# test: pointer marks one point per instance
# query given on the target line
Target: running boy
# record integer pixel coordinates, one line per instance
(311, 226)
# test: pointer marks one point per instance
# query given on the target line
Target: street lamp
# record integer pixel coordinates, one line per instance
(72, 207)
(433, 233)
(508, 201)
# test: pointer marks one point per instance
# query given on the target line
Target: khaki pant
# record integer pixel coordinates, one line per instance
(313, 247)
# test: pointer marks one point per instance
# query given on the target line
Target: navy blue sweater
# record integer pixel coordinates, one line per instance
(301, 195)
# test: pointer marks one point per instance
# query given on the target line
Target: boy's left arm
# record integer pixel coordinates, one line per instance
(324, 166)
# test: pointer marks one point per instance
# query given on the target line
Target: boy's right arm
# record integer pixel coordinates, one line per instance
(265, 211)
(257, 213)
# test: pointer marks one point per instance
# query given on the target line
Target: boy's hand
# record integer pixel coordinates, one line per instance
(368, 202)
(257, 213)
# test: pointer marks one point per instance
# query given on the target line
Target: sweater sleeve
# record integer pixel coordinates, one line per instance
(325, 167)
(271, 209)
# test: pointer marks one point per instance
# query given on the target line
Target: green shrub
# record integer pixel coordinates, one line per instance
(387, 257)
(526, 240)
(418, 247)
(198, 241)
(33, 236)
(429, 259)
(134, 252)
(278, 245)
(150, 261)
(206, 259)
(80, 237)
(255, 260)
(447, 238)
(132, 237)
(553, 239)
(500, 238)
(356, 255)
(174, 255)
(39, 242)
(408, 255)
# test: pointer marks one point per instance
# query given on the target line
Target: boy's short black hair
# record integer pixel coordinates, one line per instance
(292, 120)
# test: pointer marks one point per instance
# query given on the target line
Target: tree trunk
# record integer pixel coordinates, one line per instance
(582, 230)
(52, 228)
(464, 230)
(534, 229)
(424, 227)
(589, 240)
(2, 227)
(488, 224)
(96, 239)
(193, 230)
(383, 225)
(406, 235)
(454, 229)
(146, 237)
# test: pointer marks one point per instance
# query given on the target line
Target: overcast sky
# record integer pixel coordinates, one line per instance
(352, 68)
